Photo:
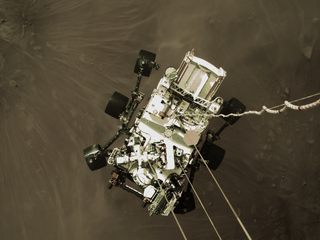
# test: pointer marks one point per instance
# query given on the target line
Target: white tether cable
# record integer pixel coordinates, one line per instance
(286, 105)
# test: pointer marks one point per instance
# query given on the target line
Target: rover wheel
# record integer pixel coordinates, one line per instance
(116, 105)
(233, 106)
(214, 154)
(94, 160)
(147, 69)
(186, 203)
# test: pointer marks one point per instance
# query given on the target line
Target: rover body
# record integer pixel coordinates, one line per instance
(159, 152)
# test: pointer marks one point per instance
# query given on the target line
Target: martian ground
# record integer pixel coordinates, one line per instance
(60, 62)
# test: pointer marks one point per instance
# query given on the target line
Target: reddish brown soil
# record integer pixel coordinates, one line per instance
(61, 61)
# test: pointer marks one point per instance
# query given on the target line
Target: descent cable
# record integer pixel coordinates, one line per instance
(204, 209)
(192, 139)
(164, 194)
(237, 217)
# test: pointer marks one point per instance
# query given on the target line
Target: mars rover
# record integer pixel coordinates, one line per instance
(160, 150)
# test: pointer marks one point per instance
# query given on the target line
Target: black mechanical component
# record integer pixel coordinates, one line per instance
(94, 157)
(194, 168)
(160, 202)
(116, 105)
(146, 60)
(118, 178)
(118, 102)
(233, 106)
(210, 151)
(134, 102)
(144, 64)
(132, 191)
(186, 203)
(214, 154)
